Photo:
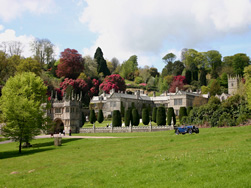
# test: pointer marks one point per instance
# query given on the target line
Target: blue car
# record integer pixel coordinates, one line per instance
(186, 129)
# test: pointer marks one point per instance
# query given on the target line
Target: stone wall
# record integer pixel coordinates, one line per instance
(125, 129)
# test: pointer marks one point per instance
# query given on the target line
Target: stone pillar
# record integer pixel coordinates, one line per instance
(150, 126)
(57, 141)
(130, 128)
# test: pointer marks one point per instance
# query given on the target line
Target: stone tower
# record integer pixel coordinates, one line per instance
(233, 84)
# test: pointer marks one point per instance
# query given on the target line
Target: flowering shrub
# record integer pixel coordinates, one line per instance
(143, 84)
(114, 81)
(178, 81)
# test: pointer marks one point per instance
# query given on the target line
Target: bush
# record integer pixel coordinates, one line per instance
(100, 116)
(128, 117)
(135, 117)
(183, 112)
(122, 109)
(154, 114)
(145, 116)
(138, 80)
(170, 116)
(116, 118)
(92, 117)
(189, 108)
(161, 115)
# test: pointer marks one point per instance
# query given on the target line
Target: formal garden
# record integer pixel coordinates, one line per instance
(217, 157)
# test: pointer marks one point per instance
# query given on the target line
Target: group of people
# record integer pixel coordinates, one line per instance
(58, 132)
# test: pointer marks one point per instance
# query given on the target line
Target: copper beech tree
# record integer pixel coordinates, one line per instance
(71, 64)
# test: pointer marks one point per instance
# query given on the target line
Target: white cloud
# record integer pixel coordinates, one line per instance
(11, 9)
(1, 27)
(10, 35)
(141, 27)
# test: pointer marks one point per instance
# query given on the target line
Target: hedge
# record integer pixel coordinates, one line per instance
(145, 116)
(161, 116)
(135, 117)
(170, 116)
(154, 114)
(183, 112)
(100, 116)
(116, 118)
(128, 117)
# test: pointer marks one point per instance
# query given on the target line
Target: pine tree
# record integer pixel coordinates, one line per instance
(102, 66)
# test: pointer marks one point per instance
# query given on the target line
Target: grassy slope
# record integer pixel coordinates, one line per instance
(217, 157)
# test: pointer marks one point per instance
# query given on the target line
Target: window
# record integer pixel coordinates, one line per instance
(177, 101)
(113, 104)
(58, 110)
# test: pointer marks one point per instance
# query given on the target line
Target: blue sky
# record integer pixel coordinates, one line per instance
(146, 28)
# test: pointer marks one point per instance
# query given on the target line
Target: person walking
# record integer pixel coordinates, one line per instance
(70, 132)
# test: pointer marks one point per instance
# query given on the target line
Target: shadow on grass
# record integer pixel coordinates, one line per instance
(36, 148)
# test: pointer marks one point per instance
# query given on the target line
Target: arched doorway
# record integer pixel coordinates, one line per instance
(58, 126)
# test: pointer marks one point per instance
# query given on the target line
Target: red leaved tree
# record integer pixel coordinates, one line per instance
(114, 81)
(178, 82)
(71, 64)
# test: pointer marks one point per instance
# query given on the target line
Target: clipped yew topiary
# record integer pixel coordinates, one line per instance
(161, 116)
(135, 117)
(122, 109)
(116, 118)
(170, 115)
(92, 117)
(145, 116)
(128, 117)
(189, 108)
(100, 116)
(83, 118)
(154, 114)
(183, 112)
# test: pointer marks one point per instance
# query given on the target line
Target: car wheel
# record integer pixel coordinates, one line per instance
(190, 131)
(177, 132)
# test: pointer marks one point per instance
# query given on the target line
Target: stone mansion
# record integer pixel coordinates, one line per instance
(67, 113)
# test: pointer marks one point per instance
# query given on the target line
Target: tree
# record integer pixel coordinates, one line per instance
(178, 68)
(161, 115)
(71, 64)
(29, 65)
(188, 76)
(129, 67)
(12, 47)
(116, 118)
(90, 67)
(114, 81)
(203, 79)
(115, 64)
(154, 113)
(183, 112)
(189, 108)
(145, 116)
(102, 66)
(199, 101)
(247, 75)
(128, 117)
(135, 117)
(214, 88)
(170, 116)
(83, 118)
(21, 108)
(43, 50)
(122, 109)
(240, 61)
(170, 57)
(178, 82)
(194, 71)
(92, 116)
(100, 116)
(153, 72)
(214, 61)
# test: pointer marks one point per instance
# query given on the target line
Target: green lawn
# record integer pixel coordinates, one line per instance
(216, 157)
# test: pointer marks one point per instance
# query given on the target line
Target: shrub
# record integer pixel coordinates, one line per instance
(92, 117)
(116, 118)
(154, 114)
(170, 116)
(128, 117)
(83, 118)
(145, 116)
(100, 116)
(135, 117)
(183, 112)
(122, 109)
(189, 108)
(161, 115)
